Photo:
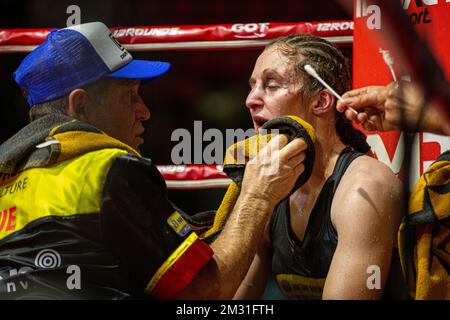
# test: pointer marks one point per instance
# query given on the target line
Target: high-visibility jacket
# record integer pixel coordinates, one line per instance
(84, 216)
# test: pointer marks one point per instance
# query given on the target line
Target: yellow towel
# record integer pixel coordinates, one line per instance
(240, 153)
(424, 235)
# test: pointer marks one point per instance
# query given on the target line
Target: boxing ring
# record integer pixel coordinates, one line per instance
(193, 38)
(408, 154)
(238, 36)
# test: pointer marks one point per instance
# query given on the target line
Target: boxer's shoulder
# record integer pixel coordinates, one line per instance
(367, 186)
(369, 169)
(370, 178)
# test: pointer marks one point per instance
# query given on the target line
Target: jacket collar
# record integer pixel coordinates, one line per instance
(52, 139)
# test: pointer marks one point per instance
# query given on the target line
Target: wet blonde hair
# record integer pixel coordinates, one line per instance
(332, 66)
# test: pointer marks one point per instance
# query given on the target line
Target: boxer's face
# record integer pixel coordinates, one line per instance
(121, 112)
(274, 88)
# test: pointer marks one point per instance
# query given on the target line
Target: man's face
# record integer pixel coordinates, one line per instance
(120, 112)
(274, 89)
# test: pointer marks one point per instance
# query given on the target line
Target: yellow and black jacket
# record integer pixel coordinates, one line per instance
(84, 216)
(424, 235)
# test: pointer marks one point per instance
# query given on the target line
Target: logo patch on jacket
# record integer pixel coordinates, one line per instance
(178, 224)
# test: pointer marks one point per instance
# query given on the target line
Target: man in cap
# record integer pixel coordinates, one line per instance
(83, 215)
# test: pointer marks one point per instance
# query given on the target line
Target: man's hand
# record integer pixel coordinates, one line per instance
(268, 178)
(272, 174)
(369, 102)
(380, 108)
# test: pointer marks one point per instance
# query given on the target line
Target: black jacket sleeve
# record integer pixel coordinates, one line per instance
(157, 250)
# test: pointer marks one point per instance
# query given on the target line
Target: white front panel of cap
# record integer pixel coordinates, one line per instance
(108, 48)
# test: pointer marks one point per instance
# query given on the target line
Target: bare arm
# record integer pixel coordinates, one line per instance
(255, 281)
(366, 214)
(236, 246)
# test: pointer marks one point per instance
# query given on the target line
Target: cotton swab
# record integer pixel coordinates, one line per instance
(313, 73)
(389, 61)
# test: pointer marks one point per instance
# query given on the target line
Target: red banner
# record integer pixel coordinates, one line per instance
(431, 18)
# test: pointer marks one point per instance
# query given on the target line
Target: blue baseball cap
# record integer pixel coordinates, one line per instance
(73, 57)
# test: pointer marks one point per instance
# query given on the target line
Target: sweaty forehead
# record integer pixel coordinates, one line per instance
(272, 60)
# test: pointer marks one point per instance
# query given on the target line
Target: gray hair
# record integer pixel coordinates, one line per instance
(97, 89)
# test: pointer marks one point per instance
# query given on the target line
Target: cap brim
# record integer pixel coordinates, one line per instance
(141, 69)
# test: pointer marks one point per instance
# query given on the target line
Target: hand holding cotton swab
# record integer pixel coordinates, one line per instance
(310, 70)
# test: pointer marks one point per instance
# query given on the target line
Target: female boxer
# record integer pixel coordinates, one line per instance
(334, 237)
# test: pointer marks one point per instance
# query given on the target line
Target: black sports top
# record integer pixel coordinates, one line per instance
(300, 267)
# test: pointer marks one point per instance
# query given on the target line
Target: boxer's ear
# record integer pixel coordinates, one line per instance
(77, 104)
(323, 104)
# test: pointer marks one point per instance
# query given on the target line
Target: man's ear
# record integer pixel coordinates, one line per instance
(323, 104)
(77, 109)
